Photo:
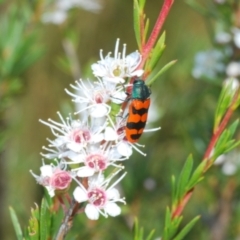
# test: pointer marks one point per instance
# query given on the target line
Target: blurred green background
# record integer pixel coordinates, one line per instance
(186, 107)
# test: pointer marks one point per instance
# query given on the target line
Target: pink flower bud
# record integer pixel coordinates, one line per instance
(60, 179)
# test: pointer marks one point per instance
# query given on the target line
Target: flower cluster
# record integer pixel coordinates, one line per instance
(92, 139)
(60, 9)
(223, 63)
(229, 163)
(223, 60)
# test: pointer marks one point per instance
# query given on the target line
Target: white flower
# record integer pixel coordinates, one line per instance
(86, 148)
(53, 178)
(110, 134)
(230, 162)
(223, 37)
(116, 69)
(101, 198)
(96, 160)
(233, 69)
(229, 168)
(60, 8)
(125, 149)
(119, 96)
(71, 136)
(208, 64)
(236, 37)
(57, 17)
(220, 1)
(89, 5)
(220, 160)
(92, 97)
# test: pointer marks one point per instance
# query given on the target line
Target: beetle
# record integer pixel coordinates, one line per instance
(138, 110)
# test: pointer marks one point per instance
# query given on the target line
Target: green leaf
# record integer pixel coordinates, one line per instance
(176, 222)
(237, 104)
(186, 229)
(136, 23)
(174, 190)
(146, 27)
(232, 129)
(140, 236)
(225, 142)
(157, 51)
(15, 42)
(174, 226)
(16, 224)
(231, 146)
(44, 220)
(33, 226)
(139, 233)
(197, 175)
(135, 229)
(184, 177)
(160, 72)
(142, 4)
(224, 102)
(221, 143)
(171, 225)
(25, 62)
(167, 217)
(150, 235)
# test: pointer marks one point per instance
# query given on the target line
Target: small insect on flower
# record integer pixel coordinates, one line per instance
(138, 110)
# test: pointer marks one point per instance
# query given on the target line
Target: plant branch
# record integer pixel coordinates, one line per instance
(220, 128)
(156, 30)
(183, 202)
(179, 208)
(68, 220)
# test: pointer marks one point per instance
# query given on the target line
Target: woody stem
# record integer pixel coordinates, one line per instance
(67, 221)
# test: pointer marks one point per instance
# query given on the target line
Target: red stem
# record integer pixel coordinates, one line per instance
(156, 30)
(220, 128)
(183, 202)
(142, 31)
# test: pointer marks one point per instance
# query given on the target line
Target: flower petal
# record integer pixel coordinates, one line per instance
(124, 149)
(110, 134)
(112, 209)
(113, 193)
(116, 80)
(51, 191)
(229, 168)
(92, 212)
(80, 195)
(85, 172)
(76, 147)
(46, 170)
(75, 157)
(97, 138)
(138, 73)
(98, 111)
(119, 97)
